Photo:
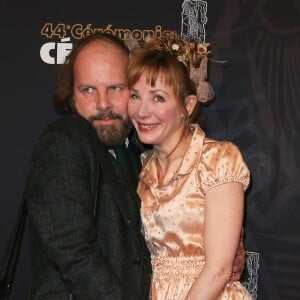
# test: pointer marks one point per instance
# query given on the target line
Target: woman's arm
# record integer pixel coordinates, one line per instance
(239, 260)
(222, 229)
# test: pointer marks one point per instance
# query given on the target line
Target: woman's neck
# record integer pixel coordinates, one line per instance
(164, 158)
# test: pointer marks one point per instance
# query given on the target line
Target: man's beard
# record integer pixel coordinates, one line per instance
(111, 135)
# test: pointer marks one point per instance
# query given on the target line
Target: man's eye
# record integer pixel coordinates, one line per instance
(116, 88)
(87, 90)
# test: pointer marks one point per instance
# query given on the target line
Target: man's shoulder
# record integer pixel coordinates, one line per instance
(72, 126)
(68, 123)
(67, 130)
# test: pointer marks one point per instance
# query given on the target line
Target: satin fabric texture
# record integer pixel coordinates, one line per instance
(173, 213)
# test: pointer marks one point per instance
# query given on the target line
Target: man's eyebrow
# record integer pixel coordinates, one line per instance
(85, 85)
(121, 83)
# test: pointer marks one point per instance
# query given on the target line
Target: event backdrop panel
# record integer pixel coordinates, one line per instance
(256, 106)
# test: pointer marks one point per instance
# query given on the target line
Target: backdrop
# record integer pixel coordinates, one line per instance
(256, 106)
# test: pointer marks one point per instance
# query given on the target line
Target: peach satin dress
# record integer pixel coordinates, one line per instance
(173, 214)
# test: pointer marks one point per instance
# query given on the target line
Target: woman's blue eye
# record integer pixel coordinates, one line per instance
(159, 98)
(134, 96)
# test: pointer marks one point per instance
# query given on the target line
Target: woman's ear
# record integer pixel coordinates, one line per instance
(190, 103)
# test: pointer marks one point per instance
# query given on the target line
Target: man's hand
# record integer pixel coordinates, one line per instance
(238, 263)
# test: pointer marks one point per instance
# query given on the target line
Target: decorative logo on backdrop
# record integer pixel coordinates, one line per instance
(55, 52)
(250, 278)
(193, 19)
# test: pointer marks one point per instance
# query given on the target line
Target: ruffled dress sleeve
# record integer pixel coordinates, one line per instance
(222, 162)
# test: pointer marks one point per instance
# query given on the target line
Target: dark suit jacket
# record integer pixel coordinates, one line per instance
(84, 221)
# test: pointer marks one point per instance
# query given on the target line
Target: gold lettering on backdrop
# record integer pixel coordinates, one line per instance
(55, 52)
(80, 31)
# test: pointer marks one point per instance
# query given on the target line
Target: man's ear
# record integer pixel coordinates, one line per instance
(190, 103)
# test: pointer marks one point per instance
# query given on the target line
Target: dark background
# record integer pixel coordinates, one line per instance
(256, 106)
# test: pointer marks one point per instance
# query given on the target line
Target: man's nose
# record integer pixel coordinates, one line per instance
(102, 101)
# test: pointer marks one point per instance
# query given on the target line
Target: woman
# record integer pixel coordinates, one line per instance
(191, 187)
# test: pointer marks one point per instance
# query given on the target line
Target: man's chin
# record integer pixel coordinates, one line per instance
(112, 135)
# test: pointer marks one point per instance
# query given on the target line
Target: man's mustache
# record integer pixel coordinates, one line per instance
(106, 115)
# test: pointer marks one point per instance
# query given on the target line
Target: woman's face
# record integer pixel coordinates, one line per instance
(156, 113)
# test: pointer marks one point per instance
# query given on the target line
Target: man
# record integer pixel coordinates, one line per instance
(85, 229)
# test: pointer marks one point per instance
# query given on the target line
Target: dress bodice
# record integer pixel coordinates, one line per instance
(173, 214)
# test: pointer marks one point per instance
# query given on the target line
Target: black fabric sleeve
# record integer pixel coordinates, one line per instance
(61, 210)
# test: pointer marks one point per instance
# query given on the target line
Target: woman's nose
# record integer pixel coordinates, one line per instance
(144, 109)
